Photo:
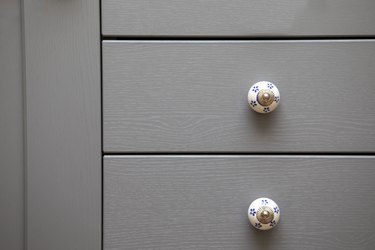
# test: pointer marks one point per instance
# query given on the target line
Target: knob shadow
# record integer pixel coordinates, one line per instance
(264, 123)
(264, 240)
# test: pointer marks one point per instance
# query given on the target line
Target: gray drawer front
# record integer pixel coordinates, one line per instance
(238, 17)
(201, 202)
(191, 96)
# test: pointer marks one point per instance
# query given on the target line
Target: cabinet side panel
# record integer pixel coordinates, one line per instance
(11, 127)
(62, 74)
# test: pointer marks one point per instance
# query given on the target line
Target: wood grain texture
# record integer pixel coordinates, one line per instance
(191, 96)
(62, 51)
(238, 18)
(201, 202)
(11, 128)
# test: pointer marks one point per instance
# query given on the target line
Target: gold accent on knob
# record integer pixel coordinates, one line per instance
(265, 215)
(265, 97)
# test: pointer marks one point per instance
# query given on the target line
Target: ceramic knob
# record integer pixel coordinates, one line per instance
(263, 97)
(264, 213)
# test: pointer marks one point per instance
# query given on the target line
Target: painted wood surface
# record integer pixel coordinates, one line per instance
(191, 96)
(238, 18)
(11, 128)
(201, 202)
(62, 74)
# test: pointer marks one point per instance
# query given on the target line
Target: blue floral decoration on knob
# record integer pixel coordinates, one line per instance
(266, 110)
(276, 210)
(273, 223)
(257, 225)
(277, 99)
(253, 103)
(256, 88)
(252, 211)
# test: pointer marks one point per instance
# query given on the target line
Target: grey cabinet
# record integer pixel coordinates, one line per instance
(201, 202)
(188, 96)
(180, 155)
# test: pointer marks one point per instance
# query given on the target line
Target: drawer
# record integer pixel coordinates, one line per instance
(191, 96)
(201, 202)
(238, 18)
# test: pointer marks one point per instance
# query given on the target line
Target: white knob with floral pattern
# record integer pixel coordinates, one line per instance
(264, 213)
(263, 97)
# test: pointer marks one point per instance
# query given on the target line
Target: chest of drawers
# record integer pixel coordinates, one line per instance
(137, 131)
(189, 98)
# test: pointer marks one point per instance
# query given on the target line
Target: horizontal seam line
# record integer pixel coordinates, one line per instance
(207, 38)
(245, 153)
